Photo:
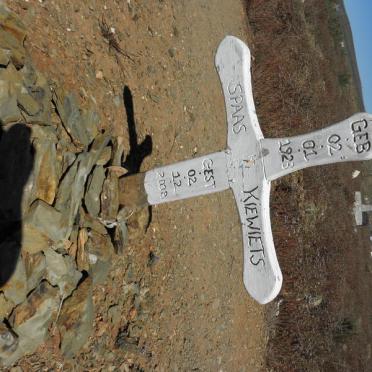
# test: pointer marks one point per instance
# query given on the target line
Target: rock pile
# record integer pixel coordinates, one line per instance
(61, 225)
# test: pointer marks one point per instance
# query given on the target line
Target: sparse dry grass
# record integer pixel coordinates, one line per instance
(311, 326)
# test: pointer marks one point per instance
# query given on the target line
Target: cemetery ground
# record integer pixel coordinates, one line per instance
(174, 298)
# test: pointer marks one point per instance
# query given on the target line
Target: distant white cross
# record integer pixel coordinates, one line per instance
(251, 162)
(360, 209)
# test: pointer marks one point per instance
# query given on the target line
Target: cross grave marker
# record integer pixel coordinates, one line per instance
(249, 164)
(360, 209)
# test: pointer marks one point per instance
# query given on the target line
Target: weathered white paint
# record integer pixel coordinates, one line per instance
(347, 140)
(186, 179)
(261, 274)
(250, 163)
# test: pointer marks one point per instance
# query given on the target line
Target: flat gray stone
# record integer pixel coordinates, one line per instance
(31, 320)
(92, 223)
(9, 111)
(29, 75)
(4, 57)
(110, 197)
(6, 307)
(47, 220)
(37, 109)
(10, 86)
(27, 103)
(121, 232)
(12, 35)
(44, 133)
(15, 289)
(68, 159)
(33, 240)
(75, 322)
(71, 197)
(46, 171)
(117, 151)
(81, 125)
(47, 168)
(105, 156)
(8, 345)
(61, 271)
(92, 196)
(100, 251)
(65, 187)
(35, 265)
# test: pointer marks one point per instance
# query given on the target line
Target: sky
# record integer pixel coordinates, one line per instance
(360, 16)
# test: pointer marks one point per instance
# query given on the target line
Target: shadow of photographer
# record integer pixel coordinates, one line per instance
(16, 163)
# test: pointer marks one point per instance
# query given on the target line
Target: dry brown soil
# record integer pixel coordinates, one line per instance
(195, 313)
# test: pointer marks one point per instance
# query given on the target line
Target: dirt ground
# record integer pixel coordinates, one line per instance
(194, 313)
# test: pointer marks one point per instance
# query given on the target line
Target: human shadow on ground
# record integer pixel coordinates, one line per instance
(16, 163)
(137, 151)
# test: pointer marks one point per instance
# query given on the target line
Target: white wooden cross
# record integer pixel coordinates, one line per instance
(251, 162)
(360, 209)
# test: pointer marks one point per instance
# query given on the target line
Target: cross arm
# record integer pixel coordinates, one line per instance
(186, 179)
(348, 140)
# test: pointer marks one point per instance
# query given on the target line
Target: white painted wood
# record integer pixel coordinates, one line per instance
(186, 179)
(250, 163)
(233, 64)
(261, 274)
(349, 140)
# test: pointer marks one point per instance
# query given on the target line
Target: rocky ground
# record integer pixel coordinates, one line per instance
(103, 89)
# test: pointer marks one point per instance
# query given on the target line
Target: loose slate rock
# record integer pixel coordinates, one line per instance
(117, 151)
(121, 232)
(72, 189)
(10, 85)
(100, 251)
(6, 306)
(82, 258)
(132, 194)
(4, 57)
(92, 196)
(46, 171)
(12, 35)
(43, 133)
(110, 197)
(38, 108)
(9, 111)
(75, 322)
(27, 103)
(91, 223)
(47, 220)
(8, 344)
(105, 156)
(81, 125)
(65, 187)
(43, 180)
(61, 271)
(33, 240)
(35, 265)
(15, 289)
(31, 319)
